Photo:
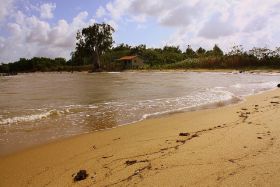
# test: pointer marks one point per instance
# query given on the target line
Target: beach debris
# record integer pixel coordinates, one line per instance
(164, 149)
(130, 162)
(107, 156)
(194, 135)
(231, 160)
(278, 85)
(259, 137)
(184, 134)
(274, 102)
(244, 116)
(81, 175)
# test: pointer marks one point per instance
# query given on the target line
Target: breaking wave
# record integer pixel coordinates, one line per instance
(29, 118)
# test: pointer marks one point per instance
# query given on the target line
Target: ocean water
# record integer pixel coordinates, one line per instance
(41, 107)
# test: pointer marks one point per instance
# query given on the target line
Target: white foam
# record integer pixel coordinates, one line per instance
(112, 72)
(133, 111)
(211, 96)
(253, 88)
(28, 118)
(92, 106)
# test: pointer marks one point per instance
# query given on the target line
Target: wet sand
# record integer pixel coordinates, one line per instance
(237, 145)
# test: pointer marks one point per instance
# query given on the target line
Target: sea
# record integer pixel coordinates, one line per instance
(38, 108)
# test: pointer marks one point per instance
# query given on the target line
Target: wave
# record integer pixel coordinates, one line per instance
(267, 85)
(253, 88)
(112, 72)
(126, 112)
(132, 111)
(29, 118)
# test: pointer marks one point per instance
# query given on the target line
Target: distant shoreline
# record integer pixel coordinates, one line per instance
(209, 70)
(242, 70)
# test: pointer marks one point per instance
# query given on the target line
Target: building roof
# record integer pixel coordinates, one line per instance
(127, 58)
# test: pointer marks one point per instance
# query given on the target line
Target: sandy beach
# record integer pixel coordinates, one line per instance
(236, 145)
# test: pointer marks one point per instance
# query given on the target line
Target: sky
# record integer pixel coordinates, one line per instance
(48, 28)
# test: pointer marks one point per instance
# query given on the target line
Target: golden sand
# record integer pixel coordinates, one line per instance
(237, 145)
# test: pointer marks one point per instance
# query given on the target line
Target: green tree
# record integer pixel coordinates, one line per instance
(172, 49)
(95, 40)
(217, 51)
(200, 51)
(122, 47)
(236, 50)
(190, 52)
(138, 50)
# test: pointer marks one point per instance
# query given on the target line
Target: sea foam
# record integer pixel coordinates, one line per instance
(29, 118)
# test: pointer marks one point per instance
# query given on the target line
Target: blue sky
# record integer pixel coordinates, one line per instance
(47, 28)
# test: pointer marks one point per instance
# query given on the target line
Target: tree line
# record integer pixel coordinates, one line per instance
(95, 52)
(35, 64)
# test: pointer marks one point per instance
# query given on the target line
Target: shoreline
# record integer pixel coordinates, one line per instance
(232, 101)
(154, 150)
(215, 105)
(9, 149)
(228, 70)
(243, 70)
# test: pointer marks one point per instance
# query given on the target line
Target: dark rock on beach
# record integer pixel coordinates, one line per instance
(81, 175)
(130, 162)
(184, 134)
(194, 135)
(278, 85)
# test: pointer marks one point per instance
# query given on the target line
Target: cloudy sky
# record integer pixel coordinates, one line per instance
(47, 28)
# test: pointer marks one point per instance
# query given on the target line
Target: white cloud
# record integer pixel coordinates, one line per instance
(177, 16)
(5, 7)
(215, 27)
(100, 12)
(46, 10)
(30, 36)
(205, 23)
(117, 8)
(195, 22)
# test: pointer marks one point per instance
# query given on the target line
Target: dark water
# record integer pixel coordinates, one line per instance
(36, 108)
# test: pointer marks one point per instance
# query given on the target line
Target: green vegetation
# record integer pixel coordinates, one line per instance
(94, 52)
(93, 42)
(35, 64)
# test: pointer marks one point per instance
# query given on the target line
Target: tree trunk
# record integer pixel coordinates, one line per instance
(96, 61)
